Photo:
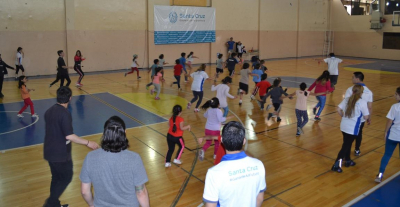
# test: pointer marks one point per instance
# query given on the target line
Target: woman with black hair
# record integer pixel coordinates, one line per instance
(118, 175)
(321, 85)
(223, 93)
(78, 68)
(174, 136)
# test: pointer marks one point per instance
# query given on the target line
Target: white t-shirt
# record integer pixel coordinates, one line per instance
(134, 65)
(394, 114)
(366, 96)
(161, 63)
(198, 80)
(190, 58)
(235, 181)
(240, 48)
(333, 64)
(18, 59)
(222, 94)
(352, 125)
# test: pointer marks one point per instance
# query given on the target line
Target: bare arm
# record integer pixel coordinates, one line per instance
(183, 128)
(370, 112)
(260, 199)
(78, 140)
(142, 195)
(87, 193)
(211, 205)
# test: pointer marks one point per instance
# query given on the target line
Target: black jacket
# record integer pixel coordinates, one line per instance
(3, 68)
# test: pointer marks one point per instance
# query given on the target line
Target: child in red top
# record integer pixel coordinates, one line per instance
(177, 73)
(25, 96)
(322, 85)
(261, 87)
(78, 68)
(174, 136)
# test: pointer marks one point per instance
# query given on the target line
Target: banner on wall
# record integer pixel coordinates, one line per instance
(182, 25)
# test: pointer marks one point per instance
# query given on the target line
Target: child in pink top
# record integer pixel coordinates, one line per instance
(322, 85)
(156, 83)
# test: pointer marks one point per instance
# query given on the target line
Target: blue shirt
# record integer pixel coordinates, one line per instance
(153, 69)
(230, 45)
(182, 61)
(259, 73)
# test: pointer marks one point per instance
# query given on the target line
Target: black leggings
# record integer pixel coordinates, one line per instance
(63, 77)
(359, 137)
(171, 140)
(344, 153)
(78, 69)
(199, 95)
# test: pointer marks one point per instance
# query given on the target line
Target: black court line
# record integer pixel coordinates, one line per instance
(322, 173)
(284, 191)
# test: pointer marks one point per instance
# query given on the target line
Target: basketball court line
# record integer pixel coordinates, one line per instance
(36, 120)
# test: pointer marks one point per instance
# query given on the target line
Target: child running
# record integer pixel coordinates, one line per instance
(177, 74)
(322, 85)
(153, 72)
(257, 70)
(161, 63)
(175, 132)
(244, 81)
(276, 93)
(156, 83)
(78, 68)
(220, 65)
(261, 87)
(213, 126)
(25, 96)
(189, 59)
(134, 66)
(263, 67)
(223, 93)
(182, 61)
(231, 63)
(197, 86)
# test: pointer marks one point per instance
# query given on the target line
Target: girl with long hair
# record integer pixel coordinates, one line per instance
(321, 85)
(351, 110)
(197, 86)
(392, 135)
(189, 59)
(78, 68)
(156, 83)
(25, 96)
(223, 93)
(175, 133)
(134, 66)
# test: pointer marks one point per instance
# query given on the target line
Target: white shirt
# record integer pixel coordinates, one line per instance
(134, 65)
(366, 96)
(352, 125)
(240, 48)
(222, 93)
(333, 64)
(198, 80)
(235, 181)
(18, 59)
(161, 63)
(394, 114)
(190, 58)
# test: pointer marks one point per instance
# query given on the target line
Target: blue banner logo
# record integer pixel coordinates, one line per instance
(173, 17)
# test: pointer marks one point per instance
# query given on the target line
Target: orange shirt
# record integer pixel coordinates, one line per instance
(178, 132)
(24, 92)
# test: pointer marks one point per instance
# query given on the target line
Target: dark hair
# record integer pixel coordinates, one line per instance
(59, 52)
(80, 54)
(303, 87)
(177, 61)
(233, 135)
(175, 112)
(324, 77)
(158, 69)
(262, 61)
(246, 65)
(220, 56)
(227, 80)
(19, 49)
(183, 54)
(114, 136)
(161, 56)
(213, 103)
(190, 54)
(202, 67)
(277, 81)
(20, 83)
(332, 54)
(264, 76)
(257, 66)
(359, 75)
(233, 54)
(64, 93)
(398, 91)
(155, 61)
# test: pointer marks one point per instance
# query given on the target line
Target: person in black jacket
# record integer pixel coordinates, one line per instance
(3, 71)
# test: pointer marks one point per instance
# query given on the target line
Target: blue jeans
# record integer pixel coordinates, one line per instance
(389, 149)
(320, 104)
(226, 110)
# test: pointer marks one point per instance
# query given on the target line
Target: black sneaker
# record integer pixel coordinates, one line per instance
(269, 116)
(279, 119)
(357, 152)
(349, 163)
(65, 205)
(337, 166)
(314, 110)
(298, 134)
(317, 118)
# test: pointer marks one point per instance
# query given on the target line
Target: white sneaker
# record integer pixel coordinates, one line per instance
(300, 130)
(196, 110)
(269, 106)
(20, 115)
(167, 164)
(35, 115)
(201, 155)
(178, 162)
(215, 156)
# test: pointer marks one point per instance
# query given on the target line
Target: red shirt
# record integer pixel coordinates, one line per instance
(178, 69)
(178, 121)
(263, 85)
(320, 88)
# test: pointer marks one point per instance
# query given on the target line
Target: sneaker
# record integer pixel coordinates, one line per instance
(269, 116)
(151, 92)
(317, 118)
(65, 205)
(314, 110)
(297, 134)
(337, 166)
(300, 130)
(186, 81)
(279, 119)
(240, 102)
(139, 77)
(238, 91)
(188, 106)
(251, 98)
(157, 98)
(196, 110)
(357, 152)
(78, 85)
(20, 115)
(379, 177)
(178, 162)
(269, 106)
(349, 163)
(259, 104)
(201, 155)
(215, 156)
(167, 164)
(35, 115)
(125, 75)
(50, 86)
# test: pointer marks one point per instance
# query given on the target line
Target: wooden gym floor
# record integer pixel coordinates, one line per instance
(297, 168)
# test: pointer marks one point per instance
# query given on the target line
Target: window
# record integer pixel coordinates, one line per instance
(360, 7)
(391, 40)
(391, 6)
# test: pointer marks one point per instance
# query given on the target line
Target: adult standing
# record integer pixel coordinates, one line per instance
(3, 72)
(62, 70)
(333, 64)
(358, 78)
(116, 173)
(231, 45)
(57, 145)
(18, 62)
(238, 180)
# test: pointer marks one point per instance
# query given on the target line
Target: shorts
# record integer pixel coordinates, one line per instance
(240, 55)
(19, 67)
(212, 132)
(231, 72)
(277, 106)
(244, 87)
(219, 70)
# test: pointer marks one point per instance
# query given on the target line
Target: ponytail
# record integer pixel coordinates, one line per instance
(357, 92)
(213, 103)
(303, 87)
(175, 112)
(227, 80)
(20, 82)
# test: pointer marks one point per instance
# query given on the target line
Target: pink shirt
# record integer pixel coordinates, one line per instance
(301, 101)
(156, 78)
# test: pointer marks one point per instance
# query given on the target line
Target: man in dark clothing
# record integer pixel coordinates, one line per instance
(3, 71)
(62, 70)
(57, 145)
